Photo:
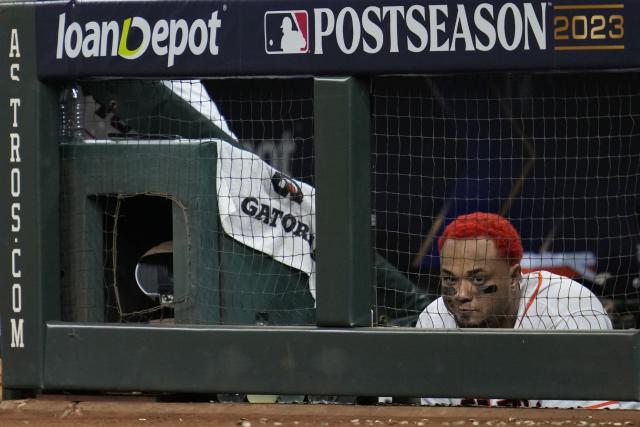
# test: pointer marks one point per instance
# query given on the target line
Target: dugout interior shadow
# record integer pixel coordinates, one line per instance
(130, 230)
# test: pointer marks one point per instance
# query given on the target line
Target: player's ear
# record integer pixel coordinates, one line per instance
(515, 272)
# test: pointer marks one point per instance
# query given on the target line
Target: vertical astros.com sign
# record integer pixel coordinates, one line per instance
(14, 104)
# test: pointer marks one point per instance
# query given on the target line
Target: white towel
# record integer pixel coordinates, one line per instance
(266, 210)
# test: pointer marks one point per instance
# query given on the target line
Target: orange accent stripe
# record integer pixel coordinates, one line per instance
(601, 404)
(532, 299)
(560, 271)
(588, 6)
(594, 47)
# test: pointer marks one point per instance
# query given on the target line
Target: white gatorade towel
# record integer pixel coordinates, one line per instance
(266, 210)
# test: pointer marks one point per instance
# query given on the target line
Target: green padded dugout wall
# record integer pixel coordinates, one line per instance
(92, 170)
(29, 277)
(230, 282)
(412, 362)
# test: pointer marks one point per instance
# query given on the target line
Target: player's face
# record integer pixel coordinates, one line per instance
(479, 287)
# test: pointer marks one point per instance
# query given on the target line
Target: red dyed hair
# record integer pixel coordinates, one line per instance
(487, 225)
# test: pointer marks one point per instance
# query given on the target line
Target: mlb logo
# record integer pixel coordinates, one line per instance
(286, 31)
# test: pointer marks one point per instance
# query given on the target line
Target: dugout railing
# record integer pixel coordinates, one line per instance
(341, 354)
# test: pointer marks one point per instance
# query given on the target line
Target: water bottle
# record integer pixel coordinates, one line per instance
(332, 400)
(231, 397)
(262, 319)
(262, 398)
(291, 398)
(71, 105)
(322, 399)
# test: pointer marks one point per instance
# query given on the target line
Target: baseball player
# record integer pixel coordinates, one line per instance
(483, 287)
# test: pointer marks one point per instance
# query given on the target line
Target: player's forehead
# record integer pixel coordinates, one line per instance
(461, 255)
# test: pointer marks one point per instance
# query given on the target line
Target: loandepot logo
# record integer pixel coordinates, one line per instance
(134, 36)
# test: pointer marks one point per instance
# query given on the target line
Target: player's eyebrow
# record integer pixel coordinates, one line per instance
(476, 271)
(446, 272)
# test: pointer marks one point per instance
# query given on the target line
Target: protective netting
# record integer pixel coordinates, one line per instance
(141, 191)
(556, 154)
(143, 226)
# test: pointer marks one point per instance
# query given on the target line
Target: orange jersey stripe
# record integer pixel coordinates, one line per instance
(601, 404)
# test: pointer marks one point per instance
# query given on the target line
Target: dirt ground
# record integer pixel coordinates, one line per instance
(67, 411)
(127, 411)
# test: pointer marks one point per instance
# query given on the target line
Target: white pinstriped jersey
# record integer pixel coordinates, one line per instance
(548, 302)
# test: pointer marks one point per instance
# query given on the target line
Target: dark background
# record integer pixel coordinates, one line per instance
(557, 154)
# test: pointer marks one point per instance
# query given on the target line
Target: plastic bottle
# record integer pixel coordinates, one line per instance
(262, 319)
(71, 104)
(291, 398)
(322, 399)
(231, 397)
(327, 399)
(262, 398)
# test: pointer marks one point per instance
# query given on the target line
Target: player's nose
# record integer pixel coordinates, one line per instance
(464, 292)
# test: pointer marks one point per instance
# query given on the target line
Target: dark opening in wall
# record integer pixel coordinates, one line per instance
(136, 226)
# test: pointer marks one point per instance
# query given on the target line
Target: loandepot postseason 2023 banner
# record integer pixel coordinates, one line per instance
(200, 38)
